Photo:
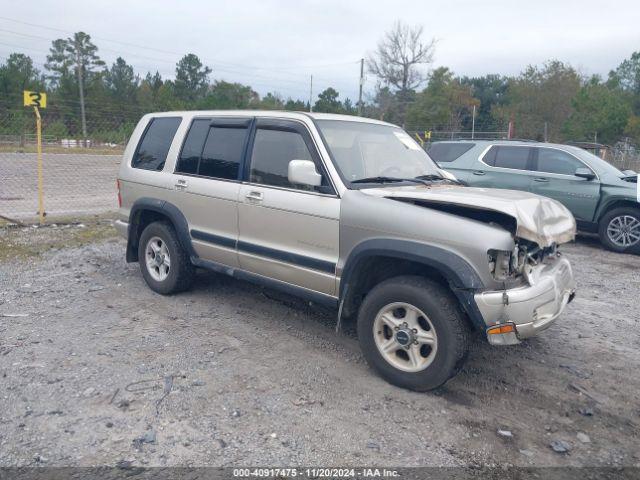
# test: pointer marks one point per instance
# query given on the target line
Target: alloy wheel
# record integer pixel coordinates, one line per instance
(158, 259)
(624, 231)
(405, 337)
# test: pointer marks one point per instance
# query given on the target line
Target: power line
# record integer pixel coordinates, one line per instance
(222, 69)
(213, 61)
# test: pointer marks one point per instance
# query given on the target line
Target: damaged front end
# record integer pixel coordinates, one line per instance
(530, 217)
(532, 282)
(537, 284)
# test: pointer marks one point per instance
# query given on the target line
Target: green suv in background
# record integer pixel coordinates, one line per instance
(603, 199)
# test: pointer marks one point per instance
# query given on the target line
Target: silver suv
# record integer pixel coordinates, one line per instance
(347, 212)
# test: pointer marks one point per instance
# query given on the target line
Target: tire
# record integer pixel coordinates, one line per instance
(612, 222)
(435, 363)
(173, 275)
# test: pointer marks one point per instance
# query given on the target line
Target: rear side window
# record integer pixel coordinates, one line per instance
(516, 158)
(213, 151)
(222, 153)
(448, 152)
(551, 160)
(154, 145)
(272, 152)
(192, 148)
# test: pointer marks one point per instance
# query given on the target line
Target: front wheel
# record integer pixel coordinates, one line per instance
(412, 332)
(619, 230)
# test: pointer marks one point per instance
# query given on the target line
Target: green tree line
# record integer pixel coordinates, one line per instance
(552, 101)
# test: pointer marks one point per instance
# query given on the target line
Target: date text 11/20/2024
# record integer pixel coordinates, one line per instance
(315, 472)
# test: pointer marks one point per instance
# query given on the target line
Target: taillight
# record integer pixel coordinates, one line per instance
(119, 196)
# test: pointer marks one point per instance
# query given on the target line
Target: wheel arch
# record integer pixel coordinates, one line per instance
(614, 203)
(147, 210)
(375, 260)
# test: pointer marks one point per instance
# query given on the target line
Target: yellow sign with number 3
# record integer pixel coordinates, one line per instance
(34, 99)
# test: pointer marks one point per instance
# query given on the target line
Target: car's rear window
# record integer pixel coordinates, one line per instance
(448, 152)
(153, 148)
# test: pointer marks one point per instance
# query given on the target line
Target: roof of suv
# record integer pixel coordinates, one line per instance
(273, 113)
(485, 141)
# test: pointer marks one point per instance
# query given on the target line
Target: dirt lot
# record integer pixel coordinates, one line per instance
(96, 369)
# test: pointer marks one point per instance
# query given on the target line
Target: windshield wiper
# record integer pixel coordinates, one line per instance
(423, 179)
(433, 176)
(380, 179)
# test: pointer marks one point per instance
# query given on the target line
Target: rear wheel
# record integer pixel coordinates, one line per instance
(412, 332)
(165, 265)
(619, 230)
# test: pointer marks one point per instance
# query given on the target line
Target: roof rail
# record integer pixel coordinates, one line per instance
(486, 139)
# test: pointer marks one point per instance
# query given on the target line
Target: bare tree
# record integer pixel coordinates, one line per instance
(399, 54)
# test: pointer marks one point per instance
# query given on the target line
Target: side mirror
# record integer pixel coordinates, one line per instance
(303, 172)
(585, 173)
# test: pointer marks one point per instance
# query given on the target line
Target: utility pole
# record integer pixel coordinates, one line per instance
(473, 123)
(546, 131)
(311, 94)
(360, 106)
(81, 90)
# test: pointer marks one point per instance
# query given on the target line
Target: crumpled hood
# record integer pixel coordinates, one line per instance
(538, 219)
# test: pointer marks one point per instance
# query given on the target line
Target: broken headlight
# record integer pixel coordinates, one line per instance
(505, 264)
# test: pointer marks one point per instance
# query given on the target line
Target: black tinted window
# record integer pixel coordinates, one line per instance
(448, 152)
(222, 153)
(213, 151)
(192, 148)
(272, 152)
(508, 157)
(551, 160)
(154, 146)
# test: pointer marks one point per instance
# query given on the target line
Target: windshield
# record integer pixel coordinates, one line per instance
(367, 150)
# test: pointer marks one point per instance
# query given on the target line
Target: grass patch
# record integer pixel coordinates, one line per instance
(33, 241)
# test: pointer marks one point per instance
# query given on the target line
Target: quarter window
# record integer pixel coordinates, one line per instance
(156, 141)
(551, 160)
(272, 152)
(516, 158)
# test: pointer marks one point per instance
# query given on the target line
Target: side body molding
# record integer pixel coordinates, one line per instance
(462, 277)
(164, 208)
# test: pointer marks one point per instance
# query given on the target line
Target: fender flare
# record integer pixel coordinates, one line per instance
(162, 207)
(462, 277)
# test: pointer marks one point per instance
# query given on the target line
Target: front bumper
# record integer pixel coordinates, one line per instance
(530, 308)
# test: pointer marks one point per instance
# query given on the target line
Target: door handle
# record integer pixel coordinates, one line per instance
(254, 196)
(541, 179)
(181, 184)
(478, 172)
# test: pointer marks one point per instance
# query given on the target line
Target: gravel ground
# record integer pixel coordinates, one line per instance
(96, 369)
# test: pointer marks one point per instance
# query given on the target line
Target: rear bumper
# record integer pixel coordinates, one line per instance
(122, 228)
(531, 308)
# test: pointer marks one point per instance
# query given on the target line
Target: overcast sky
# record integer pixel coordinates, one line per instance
(274, 45)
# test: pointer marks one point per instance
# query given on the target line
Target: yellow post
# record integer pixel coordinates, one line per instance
(40, 179)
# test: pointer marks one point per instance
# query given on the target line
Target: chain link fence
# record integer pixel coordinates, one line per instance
(79, 175)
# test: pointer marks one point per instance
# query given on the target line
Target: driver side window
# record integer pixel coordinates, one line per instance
(551, 160)
(272, 151)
